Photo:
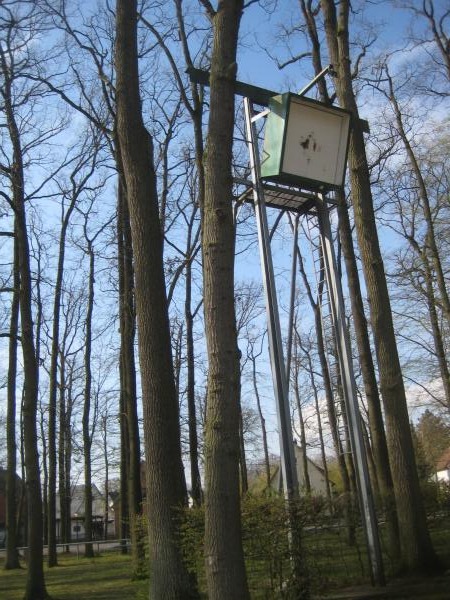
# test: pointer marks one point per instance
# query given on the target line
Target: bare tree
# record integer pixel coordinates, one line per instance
(83, 167)
(166, 489)
(435, 41)
(225, 569)
(16, 29)
(316, 305)
(417, 552)
(12, 555)
(295, 376)
(253, 354)
(89, 418)
(306, 347)
(131, 485)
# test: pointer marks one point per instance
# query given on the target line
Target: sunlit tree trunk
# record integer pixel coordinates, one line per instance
(12, 555)
(87, 440)
(329, 397)
(252, 356)
(35, 583)
(312, 377)
(128, 366)
(296, 372)
(166, 488)
(196, 485)
(376, 424)
(417, 552)
(225, 569)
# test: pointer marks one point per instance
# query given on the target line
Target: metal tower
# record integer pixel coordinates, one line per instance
(316, 207)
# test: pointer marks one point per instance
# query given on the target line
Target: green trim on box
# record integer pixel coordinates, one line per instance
(274, 136)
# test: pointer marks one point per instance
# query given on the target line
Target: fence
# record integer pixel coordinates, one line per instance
(108, 545)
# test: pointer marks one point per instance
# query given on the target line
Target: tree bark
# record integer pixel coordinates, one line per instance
(127, 332)
(166, 488)
(87, 440)
(196, 485)
(35, 584)
(376, 425)
(328, 389)
(64, 454)
(439, 346)
(310, 370)
(124, 466)
(195, 109)
(307, 482)
(381, 458)
(12, 555)
(417, 552)
(53, 380)
(252, 356)
(225, 569)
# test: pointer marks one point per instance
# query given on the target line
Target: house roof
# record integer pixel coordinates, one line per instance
(77, 502)
(444, 461)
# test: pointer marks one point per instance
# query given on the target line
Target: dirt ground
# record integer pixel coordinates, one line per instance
(432, 588)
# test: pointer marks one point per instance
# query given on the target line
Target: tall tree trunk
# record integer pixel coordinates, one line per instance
(328, 389)
(195, 109)
(306, 485)
(124, 514)
(425, 204)
(124, 467)
(68, 446)
(417, 552)
(225, 569)
(53, 380)
(376, 424)
(261, 419)
(12, 555)
(87, 440)
(166, 487)
(23, 472)
(242, 456)
(439, 346)
(306, 480)
(127, 331)
(190, 387)
(35, 585)
(44, 468)
(64, 531)
(106, 488)
(319, 422)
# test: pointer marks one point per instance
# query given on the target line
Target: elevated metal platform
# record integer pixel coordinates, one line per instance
(283, 197)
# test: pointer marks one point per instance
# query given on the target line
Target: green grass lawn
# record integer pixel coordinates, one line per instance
(105, 577)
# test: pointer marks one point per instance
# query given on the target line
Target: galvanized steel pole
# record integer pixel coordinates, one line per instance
(336, 297)
(288, 467)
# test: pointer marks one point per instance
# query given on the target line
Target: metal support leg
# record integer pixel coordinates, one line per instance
(288, 468)
(292, 299)
(351, 402)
